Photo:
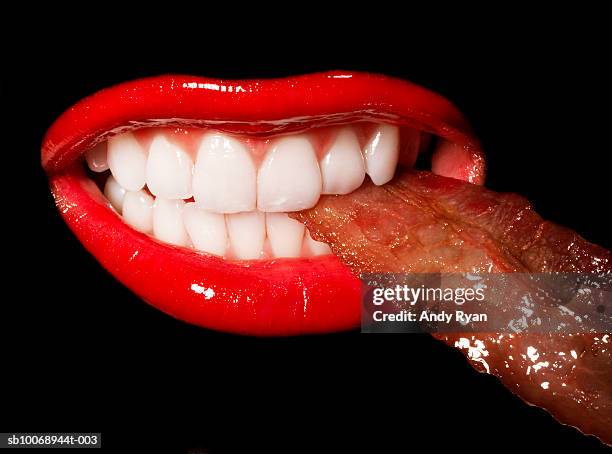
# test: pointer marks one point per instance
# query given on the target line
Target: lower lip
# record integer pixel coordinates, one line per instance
(264, 297)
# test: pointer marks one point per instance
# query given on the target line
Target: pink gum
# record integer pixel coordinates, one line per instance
(321, 138)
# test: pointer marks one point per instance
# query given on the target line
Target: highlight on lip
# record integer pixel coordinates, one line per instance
(229, 195)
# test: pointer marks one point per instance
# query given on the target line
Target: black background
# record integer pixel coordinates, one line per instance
(81, 353)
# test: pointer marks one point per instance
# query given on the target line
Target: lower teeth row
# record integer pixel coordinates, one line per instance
(241, 236)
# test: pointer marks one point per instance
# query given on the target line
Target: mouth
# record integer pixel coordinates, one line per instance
(181, 187)
(221, 202)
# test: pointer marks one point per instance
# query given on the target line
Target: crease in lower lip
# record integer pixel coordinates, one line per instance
(229, 195)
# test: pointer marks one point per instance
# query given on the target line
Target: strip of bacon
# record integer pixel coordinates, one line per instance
(422, 223)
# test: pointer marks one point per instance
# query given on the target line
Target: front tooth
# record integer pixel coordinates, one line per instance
(224, 178)
(114, 193)
(289, 178)
(138, 210)
(314, 247)
(169, 170)
(247, 233)
(206, 229)
(285, 235)
(342, 167)
(127, 161)
(381, 154)
(168, 221)
(96, 158)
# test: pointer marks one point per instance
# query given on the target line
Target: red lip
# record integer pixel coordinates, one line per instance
(267, 297)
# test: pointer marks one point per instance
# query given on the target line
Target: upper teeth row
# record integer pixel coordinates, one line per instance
(226, 179)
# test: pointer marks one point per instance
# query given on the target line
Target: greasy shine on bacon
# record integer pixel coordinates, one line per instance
(421, 222)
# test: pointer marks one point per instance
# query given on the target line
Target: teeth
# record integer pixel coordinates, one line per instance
(138, 210)
(247, 233)
(207, 230)
(315, 247)
(127, 161)
(285, 235)
(342, 167)
(169, 170)
(114, 193)
(96, 158)
(224, 178)
(168, 221)
(289, 178)
(381, 154)
(239, 211)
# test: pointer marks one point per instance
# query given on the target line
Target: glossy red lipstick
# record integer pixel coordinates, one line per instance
(284, 296)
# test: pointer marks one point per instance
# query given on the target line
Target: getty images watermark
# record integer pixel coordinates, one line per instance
(487, 302)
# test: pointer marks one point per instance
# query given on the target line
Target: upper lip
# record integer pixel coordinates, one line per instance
(254, 107)
(272, 297)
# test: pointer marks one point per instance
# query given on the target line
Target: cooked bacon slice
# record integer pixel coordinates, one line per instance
(422, 223)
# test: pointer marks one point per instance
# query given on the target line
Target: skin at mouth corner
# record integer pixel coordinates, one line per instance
(131, 221)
